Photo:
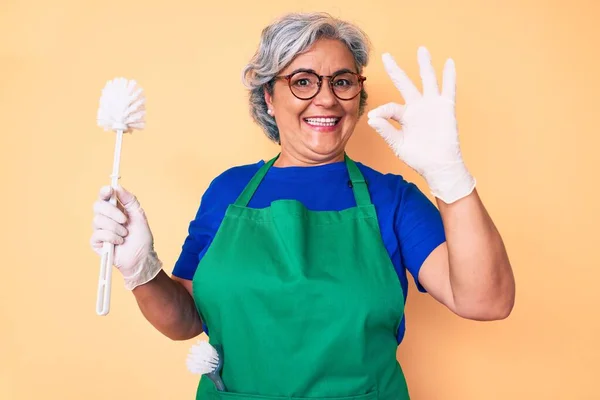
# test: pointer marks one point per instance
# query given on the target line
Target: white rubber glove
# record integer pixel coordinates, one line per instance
(428, 141)
(129, 231)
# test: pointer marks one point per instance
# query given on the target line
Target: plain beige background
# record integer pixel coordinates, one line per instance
(527, 108)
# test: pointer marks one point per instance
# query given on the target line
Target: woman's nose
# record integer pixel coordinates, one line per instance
(325, 97)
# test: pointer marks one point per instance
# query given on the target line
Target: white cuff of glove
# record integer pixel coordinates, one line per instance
(451, 183)
(146, 271)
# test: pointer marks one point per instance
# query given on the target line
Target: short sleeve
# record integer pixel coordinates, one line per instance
(420, 230)
(201, 231)
(221, 192)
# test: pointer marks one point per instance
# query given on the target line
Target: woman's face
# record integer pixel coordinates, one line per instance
(307, 139)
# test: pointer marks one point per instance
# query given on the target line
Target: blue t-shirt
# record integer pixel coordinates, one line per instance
(411, 226)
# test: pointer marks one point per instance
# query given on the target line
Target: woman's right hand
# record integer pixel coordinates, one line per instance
(127, 228)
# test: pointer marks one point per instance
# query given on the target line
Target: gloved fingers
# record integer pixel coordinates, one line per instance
(127, 199)
(105, 193)
(103, 222)
(103, 207)
(101, 235)
(393, 111)
(430, 85)
(387, 131)
(449, 83)
(402, 82)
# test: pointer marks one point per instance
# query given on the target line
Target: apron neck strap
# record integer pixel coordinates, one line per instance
(357, 181)
(246, 195)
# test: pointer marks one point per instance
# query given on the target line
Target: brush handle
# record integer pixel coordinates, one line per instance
(108, 249)
(215, 376)
(217, 381)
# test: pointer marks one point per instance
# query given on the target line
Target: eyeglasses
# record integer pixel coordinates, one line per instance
(306, 84)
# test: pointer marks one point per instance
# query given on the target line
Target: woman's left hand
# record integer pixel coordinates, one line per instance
(428, 141)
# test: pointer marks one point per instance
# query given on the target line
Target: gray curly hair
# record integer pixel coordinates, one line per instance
(285, 39)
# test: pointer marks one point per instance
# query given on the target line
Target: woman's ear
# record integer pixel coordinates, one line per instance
(269, 101)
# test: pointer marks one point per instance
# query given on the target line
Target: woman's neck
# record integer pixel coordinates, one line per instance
(290, 159)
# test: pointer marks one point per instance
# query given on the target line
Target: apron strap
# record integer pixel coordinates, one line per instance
(246, 195)
(359, 185)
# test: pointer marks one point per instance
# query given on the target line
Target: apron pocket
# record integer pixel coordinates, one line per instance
(242, 396)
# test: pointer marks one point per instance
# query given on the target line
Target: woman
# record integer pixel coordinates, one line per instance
(302, 260)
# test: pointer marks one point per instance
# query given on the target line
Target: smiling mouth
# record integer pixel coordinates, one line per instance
(330, 121)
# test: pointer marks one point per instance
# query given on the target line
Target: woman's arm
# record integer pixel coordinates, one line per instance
(169, 306)
(471, 273)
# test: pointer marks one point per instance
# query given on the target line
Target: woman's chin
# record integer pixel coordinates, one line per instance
(325, 148)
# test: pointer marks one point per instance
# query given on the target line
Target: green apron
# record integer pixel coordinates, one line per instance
(305, 304)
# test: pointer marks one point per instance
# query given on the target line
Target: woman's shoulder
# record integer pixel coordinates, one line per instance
(389, 188)
(237, 173)
(384, 180)
(391, 192)
(229, 184)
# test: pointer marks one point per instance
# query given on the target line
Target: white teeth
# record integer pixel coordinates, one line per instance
(322, 121)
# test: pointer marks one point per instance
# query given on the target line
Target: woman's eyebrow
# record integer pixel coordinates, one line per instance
(303, 70)
(339, 71)
(343, 70)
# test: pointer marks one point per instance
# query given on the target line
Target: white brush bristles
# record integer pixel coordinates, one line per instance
(122, 106)
(202, 358)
